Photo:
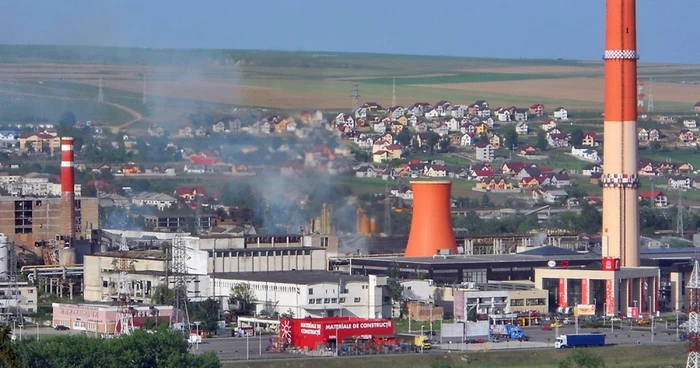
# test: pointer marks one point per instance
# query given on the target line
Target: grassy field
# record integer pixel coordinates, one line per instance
(180, 81)
(656, 356)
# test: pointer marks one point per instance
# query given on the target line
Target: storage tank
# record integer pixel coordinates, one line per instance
(4, 256)
(431, 223)
(66, 256)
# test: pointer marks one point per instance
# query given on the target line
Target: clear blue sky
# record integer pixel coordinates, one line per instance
(572, 29)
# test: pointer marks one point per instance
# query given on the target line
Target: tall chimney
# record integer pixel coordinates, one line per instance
(620, 181)
(67, 188)
(431, 223)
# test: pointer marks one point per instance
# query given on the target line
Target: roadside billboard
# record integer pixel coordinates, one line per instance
(632, 312)
(585, 310)
(480, 328)
(451, 330)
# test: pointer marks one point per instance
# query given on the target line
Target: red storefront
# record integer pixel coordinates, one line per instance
(311, 333)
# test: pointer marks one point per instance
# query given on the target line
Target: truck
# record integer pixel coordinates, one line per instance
(417, 342)
(508, 332)
(579, 340)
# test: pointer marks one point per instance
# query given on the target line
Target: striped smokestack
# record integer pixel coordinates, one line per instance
(620, 181)
(67, 188)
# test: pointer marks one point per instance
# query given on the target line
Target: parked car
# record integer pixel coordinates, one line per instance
(61, 328)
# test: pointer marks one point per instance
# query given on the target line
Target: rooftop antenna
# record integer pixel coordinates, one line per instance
(144, 100)
(650, 97)
(393, 93)
(355, 95)
(100, 93)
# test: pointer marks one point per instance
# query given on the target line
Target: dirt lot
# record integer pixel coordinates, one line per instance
(582, 89)
(539, 69)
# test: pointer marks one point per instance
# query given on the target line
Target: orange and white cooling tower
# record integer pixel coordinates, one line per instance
(431, 225)
(620, 181)
(67, 188)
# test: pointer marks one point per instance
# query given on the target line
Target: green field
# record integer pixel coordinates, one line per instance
(460, 78)
(656, 356)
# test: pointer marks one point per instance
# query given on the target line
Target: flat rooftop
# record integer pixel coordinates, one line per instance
(291, 277)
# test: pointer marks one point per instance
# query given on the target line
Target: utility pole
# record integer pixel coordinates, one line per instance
(125, 319)
(100, 93)
(355, 96)
(179, 262)
(679, 220)
(393, 93)
(387, 210)
(693, 287)
(650, 96)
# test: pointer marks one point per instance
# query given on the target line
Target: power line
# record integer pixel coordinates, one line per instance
(125, 319)
(179, 262)
(650, 97)
(355, 96)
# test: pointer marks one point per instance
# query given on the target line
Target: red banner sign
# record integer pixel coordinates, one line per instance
(609, 298)
(562, 302)
(585, 292)
(611, 264)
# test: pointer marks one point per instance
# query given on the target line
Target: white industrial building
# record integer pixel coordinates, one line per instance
(311, 293)
(33, 185)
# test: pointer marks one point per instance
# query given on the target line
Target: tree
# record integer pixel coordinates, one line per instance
(511, 139)
(542, 141)
(485, 201)
(208, 310)
(8, 351)
(576, 136)
(581, 358)
(162, 295)
(655, 146)
(432, 140)
(394, 288)
(404, 137)
(243, 296)
(67, 120)
(590, 219)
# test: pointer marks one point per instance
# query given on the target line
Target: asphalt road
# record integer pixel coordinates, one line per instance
(239, 348)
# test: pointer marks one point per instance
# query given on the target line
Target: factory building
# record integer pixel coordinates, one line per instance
(311, 293)
(29, 220)
(101, 318)
(27, 300)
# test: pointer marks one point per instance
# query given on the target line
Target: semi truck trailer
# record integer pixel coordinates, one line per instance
(579, 340)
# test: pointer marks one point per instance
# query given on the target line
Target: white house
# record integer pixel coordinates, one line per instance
(158, 200)
(379, 127)
(503, 115)
(397, 112)
(452, 124)
(548, 125)
(467, 139)
(561, 113)
(366, 171)
(432, 114)
(521, 128)
(680, 182)
(585, 153)
(690, 124)
(442, 130)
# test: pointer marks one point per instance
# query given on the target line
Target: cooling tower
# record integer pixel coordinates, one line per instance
(431, 225)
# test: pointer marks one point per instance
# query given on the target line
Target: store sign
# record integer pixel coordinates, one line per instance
(609, 298)
(611, 264)
(78, 312)
(562, 293)
(585, 310)
(632, 312)
(311, 329)
(357, 326)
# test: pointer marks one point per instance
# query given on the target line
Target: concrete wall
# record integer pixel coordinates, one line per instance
(268, 259)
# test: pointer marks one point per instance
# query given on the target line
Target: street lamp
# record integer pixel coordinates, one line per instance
(421, 336)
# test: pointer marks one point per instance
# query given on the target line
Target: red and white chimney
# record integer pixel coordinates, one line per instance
(67, 188)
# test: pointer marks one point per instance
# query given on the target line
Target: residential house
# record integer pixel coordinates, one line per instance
(530, 182)
(372, 106)
(396, 111)
(561, 113)
(185, 131)
(8, 138)
(457, 111)
(696, 182)
(467, 139)
(686, 136)
(159, 200)
(679, 182)
(467, 127)
(411, 120)
(481, 128)
(493, 184)
(528, 151)
(435, 171)
(155, 130)
(419, 109)
(432, 114)
(560, 180)
(485, 152)
(554, 130)
(403, 120)
(380, 156)
(396, 127)
(589, 139)
(549, 196)
(548, 125)
(690, 124)
(591, 169)
(219, 127)
(366, 171)
(585, 153)
(361, 113)
(421, 127)
(40, 143)
(442, 107)
(696, 107)
(379, 127)
(200, 131)
(292, 167)
(404, 193)
(521, 128)
(651, 135)
(452, 124)
(345, 119)
(480, 173)
(537, 109)
(558, 140)
(521, 114)
(513, 167)
(234, 125)
(497, 141)
(442, 130)
(657, 198)
(647, 167)
(503, 115)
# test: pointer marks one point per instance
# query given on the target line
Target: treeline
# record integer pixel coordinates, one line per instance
(161, 349)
